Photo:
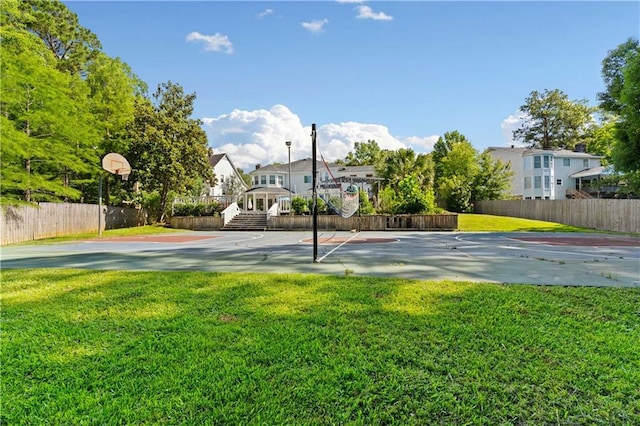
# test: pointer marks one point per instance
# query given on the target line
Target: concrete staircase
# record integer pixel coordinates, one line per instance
(247, 221)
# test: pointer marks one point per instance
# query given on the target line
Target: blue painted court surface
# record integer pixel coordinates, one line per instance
(527, 258)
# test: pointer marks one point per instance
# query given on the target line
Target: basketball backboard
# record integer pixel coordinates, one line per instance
(116, 164)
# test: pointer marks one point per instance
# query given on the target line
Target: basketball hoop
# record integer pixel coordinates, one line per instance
(116, 164)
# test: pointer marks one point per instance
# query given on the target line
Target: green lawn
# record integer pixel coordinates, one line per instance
(92, 347)
(123, 232)
(484, 222)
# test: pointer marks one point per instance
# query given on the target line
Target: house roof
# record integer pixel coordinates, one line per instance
(215, 159)
(593, 171)
(522, 151)
(304, 165)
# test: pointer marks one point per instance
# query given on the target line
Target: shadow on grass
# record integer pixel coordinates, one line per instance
(194, 347)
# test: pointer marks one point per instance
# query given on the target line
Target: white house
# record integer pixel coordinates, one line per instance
(550, 174)
(229, 182)
(272, 183)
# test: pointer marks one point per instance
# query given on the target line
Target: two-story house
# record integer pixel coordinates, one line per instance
(273, 183)
(549, 174)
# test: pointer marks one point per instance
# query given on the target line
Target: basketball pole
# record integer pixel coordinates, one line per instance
(100, 204)
(314, 208)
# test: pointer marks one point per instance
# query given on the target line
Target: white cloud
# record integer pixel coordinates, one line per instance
(212, 43)
(350, 1)
(423, 144)
(316, 26)
(264, 13)
(258, 137)
(510, 124)
(365, 12)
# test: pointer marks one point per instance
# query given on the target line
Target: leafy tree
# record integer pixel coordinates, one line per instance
(551, 120)
(168, 149)
(459, 168)
(412, 197)
(464, 176)
(626, 153)
(72, 45)
(245, 177)
(387, 200)
(493, 180)
(601, 138)
(613, 67)
(48, 134)
(621, 74)
(365, 154)
(442, 148)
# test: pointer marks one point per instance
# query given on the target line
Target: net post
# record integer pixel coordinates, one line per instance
(315, 193)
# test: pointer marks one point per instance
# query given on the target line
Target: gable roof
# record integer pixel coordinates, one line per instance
(215, 159)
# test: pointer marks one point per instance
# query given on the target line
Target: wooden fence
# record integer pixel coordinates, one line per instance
(197, 223)
(26, 223)
(442, 222)
(602, 214)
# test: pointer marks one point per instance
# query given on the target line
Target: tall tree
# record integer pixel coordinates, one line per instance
(168, 150)
(71, 44)
(621, 74)
(442, 148)
(48, 135)
(365, 154)
(113, 90)
(464, 176)
(551, 120)
(626, 152)
(459, 168)
(613, 66)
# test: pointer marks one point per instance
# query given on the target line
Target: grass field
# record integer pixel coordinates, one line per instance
(87, 347)
(483, 222)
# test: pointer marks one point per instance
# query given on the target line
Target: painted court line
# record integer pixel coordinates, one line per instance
(336, 248)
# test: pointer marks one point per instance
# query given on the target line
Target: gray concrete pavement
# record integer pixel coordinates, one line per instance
(477, 257)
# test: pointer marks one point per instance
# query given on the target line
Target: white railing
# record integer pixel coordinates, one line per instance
(284, 205)
(230, 212)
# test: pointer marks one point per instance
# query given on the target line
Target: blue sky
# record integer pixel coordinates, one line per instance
(402, 73)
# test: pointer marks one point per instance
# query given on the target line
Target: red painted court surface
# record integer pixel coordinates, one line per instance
(155, 239)
(583, 241)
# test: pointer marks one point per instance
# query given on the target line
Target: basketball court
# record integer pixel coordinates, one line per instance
(528, 258)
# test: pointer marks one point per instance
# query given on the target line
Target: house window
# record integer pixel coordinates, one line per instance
(281, 180)
(536, 162)
(307, 179)
(255, 180)
(558, 181)
(585, 163)
(547, 182)
(566, 162)
(537, 182)
(263, 180)
(547, 161)
(527, 183)
(272, 180)
(221, 178)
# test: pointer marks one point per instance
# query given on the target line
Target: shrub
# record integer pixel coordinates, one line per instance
(299, 205)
